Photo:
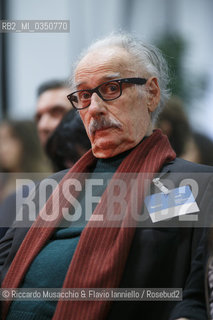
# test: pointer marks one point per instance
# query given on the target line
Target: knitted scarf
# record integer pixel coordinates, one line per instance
(102, 251)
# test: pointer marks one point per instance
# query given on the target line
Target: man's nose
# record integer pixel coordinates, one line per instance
(97, 105)
(44, 122)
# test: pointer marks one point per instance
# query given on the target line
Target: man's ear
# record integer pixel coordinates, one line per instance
(153, 93)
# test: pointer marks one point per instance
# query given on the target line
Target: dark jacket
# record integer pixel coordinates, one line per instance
(196, 295)
(161, 254)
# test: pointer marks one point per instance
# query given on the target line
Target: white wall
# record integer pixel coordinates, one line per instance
(35, 57)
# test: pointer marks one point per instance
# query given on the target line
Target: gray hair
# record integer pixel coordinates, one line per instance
(148, 57)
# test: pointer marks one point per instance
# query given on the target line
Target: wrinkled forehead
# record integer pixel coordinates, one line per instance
(105, 61)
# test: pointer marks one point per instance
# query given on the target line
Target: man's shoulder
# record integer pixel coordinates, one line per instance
(181, 165)
(58, 176)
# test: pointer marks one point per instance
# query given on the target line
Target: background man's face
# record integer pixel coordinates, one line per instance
(51, 107)
(129, 113)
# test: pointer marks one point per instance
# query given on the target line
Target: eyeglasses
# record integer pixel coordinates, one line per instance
(107, 91)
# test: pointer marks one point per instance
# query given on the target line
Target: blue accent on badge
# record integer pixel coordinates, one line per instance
(176, 197)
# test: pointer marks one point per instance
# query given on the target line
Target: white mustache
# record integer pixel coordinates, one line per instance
(103, 123)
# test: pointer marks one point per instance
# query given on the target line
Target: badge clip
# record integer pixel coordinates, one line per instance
(160, 186)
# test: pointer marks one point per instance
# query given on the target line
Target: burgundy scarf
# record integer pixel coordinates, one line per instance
(101, 253)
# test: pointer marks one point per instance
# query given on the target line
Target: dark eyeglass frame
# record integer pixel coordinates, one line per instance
(139, 81)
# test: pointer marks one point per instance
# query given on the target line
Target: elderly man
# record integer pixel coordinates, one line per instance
(120, 84)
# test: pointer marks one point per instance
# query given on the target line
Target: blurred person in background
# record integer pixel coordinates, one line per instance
(20, 151)
(68, 142)
(173, 121)
(205, 148)
(188, 145)
(20, 155)
(52, 105)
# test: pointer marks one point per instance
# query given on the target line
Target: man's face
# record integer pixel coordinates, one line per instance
(115, 126)
(51, 107)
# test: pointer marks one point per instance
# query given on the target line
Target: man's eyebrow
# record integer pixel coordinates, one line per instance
(57, 106)
(37, 115)
(104, 78)
(112, 76)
